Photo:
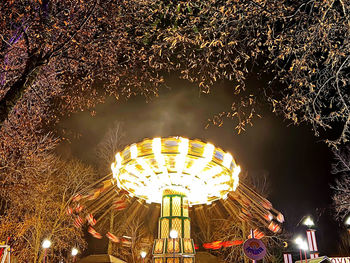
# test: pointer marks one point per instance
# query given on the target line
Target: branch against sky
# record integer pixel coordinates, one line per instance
(110, 144)
(341, 169)
(97, 48)
(311, 57)
(140, 240)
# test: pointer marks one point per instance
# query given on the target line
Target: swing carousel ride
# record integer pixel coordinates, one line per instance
(173, 177)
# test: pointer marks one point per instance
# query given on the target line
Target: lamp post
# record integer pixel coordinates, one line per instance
(302, 244)
(304, 247)
(143, 255)
(298, 241)
(74, 253)
(311, 237)
(46, 244)
(173, 235)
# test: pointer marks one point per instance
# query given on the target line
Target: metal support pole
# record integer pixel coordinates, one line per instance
(44, 259)
(301, 256)
(305, 256)
(174, 250)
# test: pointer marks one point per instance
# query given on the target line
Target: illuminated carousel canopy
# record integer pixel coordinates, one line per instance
(201, 171)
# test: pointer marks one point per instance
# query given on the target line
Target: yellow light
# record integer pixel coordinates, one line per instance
(235, 176)
(208, 151)
(115, 170)
(156, 146)
(133, 151)
(227, 160)
(183, 146)
(145, 166)
(118, 159)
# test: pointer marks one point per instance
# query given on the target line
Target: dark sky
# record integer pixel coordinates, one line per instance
(296, 162)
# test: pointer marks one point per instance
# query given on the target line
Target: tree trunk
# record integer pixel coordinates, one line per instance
(16, 91)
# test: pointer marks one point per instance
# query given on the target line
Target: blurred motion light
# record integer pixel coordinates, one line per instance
(197, 169)
(143, 254)
(74, 252)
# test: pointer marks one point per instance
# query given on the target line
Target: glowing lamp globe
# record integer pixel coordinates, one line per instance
(143, 254)
(347, 221)
(74, 252)
(309, 222)
(298, 240)
(173, 234)
(304, 246)
(175, 172)
(46, 244)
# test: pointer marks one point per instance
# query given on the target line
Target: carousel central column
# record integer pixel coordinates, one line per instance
(174, 217)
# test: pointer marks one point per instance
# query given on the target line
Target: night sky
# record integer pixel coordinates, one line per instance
(296, 163)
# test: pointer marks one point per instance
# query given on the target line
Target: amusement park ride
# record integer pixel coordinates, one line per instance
(177, 173)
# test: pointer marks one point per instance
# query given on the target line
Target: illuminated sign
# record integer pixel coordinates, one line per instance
(254, 249)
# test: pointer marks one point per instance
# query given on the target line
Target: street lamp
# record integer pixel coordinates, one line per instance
(46, 244)
(173, 235)
(74, 253)
(347, 223)
(311, 237)
(302, 244)
(309, 222)
(143, 255)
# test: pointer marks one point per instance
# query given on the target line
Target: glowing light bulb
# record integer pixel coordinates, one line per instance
(308, 222)
(46, 243)
(298, 240)
(173, 233)
(208, 151)
(183, 146)
(304, 246)
(133, 151)
(227, 160)
(156, 146)
(118, 159)
(347, 221)
(235, 176)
